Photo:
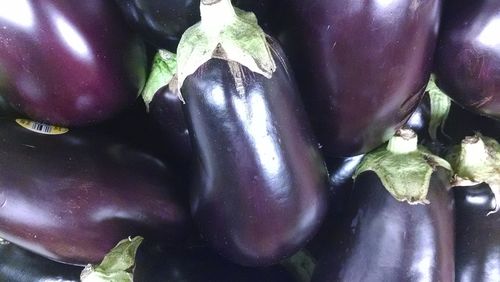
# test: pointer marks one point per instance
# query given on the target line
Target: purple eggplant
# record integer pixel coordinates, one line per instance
(261, 184)
(199, 264)
(68, 63)
(19, 265)
(387, 240)
(468, 55)
(477, 236)
(72, 197)
(362, 66)
(166, 112)
(163, 22)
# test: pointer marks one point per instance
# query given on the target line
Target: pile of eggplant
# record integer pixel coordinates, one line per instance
(250, 140)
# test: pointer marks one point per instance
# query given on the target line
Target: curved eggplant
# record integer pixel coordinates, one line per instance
(72, 197)
(166, 111)
(163, 22)
(477, 237)
(60, 67)
(387, 240)
(19, 265)
(260, 191)
(362, 66)
(468, 55)
(199, 264)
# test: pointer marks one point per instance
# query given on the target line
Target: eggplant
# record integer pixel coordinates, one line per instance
(260, 188)
(163, 22)
(361, 67)
(71, 197)
(260, 184)
(198, 264)
(391, 232)
(477, 237)
(19, 265)
(166, 112)
(387, 240)
(476, 163)
(60, 67)
(468, 55)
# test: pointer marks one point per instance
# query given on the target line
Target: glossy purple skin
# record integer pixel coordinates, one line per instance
(383, 239)
(166, 111)
(260, 189)
(69, 63)
(468, 55)
(361, 66)
(72, 197)
(477, 241)
(162, 22)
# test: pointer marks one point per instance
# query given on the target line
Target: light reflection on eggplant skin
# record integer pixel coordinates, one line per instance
(18, 12)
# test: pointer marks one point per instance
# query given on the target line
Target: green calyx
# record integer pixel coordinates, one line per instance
(162, 72)
(440, 105)
(475, 161)
(117, 265)
(403, 167)
(233, 32)
(301, 264)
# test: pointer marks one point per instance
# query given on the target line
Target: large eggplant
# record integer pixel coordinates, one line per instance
(260, 186)
(163, 22)
(362, 66)
(71, 197)
(68, 62)
(199, 264)
(19, 265)
(468, 55)
(260, 192)
(477, 235)
(387, 240)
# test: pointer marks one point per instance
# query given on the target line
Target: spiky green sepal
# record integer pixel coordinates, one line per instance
(475, 161)
(234, 32)
(403, 167)
(163, 70)
(440, 105)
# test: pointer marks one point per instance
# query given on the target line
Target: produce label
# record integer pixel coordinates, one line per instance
(42, 128)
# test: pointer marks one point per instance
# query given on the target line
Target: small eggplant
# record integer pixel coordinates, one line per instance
(260, 186)
(69, 63)
(477, 199)
(19, 265)
(468, 55)
(71, 197)
(163, 22)
(477, 234)
(362, 66)
(400, 221)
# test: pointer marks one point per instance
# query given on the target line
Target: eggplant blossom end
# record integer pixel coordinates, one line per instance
(117, 265)
(404, 168)
(223, 27)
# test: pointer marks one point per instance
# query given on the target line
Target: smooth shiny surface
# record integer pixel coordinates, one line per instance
(386, 240)
(260, 191)
(72, 197)
(468, 55)
(68, 62)
(166, 111)
(163, 22)
(477, 241)
(361, 66)
(19, 265)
